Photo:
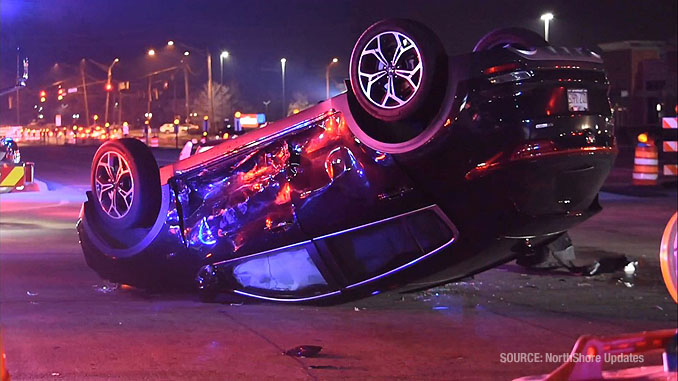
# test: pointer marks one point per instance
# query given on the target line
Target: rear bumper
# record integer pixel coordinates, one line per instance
(542, 195)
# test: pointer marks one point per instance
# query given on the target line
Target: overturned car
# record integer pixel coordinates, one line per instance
(430, 168)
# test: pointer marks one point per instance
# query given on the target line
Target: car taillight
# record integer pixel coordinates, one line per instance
(501, 68)
(500, 75)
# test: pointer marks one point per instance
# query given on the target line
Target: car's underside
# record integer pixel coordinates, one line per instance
(346, 199)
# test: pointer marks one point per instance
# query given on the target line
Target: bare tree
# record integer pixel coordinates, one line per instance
(226, 101)
(299, 103)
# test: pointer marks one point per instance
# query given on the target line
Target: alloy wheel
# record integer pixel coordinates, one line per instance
(390, 70)
(114, 185)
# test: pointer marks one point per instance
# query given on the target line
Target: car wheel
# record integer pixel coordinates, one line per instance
(397, 68)
(126, 184)
(517, 37)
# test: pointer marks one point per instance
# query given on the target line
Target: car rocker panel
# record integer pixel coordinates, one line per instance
(442, 170)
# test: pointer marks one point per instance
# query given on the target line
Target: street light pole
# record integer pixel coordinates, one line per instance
(210, 95)
(266, 103)
(148, 105)
(546, 18)
(222, 57)
(327, 77)
(209, 87)
(18, 104)
(186, 91)
(109, 88)
(283, 61)
(83, 63)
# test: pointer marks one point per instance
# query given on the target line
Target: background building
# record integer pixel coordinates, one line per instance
(642, 77)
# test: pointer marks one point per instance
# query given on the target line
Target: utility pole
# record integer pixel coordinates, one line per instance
(18, 108)
(18, 74)
(148, 107)
(119, 107)
(84, 89)
(209, 88)
(186, 91)
(174, 96)
(109, 88)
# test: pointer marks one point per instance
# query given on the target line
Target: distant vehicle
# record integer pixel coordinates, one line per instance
(169, 128)
(429, 169)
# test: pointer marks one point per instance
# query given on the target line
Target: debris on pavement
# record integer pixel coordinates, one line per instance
(611, 265)
(324, 367)
(304, 351)
(106, 287)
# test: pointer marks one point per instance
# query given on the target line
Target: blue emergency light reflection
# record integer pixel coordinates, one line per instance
(205, 235)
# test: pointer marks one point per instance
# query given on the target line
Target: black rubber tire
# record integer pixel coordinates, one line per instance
(519, 38)
(433, 77)
(146, 195)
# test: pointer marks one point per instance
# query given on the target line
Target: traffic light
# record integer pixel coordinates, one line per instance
(109, 86)
(43, 96)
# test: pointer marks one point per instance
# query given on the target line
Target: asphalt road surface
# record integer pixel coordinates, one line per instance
(61, 322)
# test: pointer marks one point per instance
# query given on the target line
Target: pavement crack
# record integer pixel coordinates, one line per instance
(272, 343)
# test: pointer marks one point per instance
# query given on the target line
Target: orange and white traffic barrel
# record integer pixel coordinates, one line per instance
(155, 142)
(669, 154)
(645, 162)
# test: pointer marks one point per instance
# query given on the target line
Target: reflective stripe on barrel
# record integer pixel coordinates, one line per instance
(646, 165)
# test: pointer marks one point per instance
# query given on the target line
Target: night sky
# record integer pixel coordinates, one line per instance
(308, 33)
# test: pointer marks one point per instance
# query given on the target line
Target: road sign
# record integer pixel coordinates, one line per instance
(249, 120)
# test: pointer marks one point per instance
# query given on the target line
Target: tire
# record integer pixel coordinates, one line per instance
(519, 38)
(125, 184)
(393, 82)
